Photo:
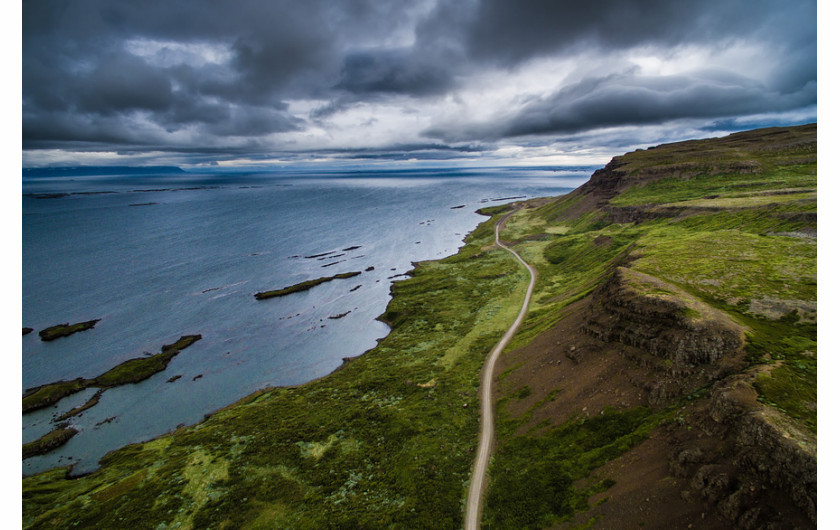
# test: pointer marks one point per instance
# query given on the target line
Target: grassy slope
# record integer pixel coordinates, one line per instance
(386, 440)
(717, 236)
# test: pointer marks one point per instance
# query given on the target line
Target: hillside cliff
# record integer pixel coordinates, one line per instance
(675, 321)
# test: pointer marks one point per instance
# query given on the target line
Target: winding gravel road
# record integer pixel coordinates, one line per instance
(486, 435)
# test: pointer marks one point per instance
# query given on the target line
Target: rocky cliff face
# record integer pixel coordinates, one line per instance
(640, 310)
(697, 345)
(685, 342)
(758, 464)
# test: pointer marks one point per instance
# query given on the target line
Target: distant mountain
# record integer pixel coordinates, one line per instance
(86, 171)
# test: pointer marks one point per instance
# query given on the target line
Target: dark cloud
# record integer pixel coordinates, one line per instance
(122, 83)
(511, 32)
(393, 71)
(631, 99)
(253, 121)
(199, 75)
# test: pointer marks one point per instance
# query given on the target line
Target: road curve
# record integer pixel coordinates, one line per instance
(486, 434)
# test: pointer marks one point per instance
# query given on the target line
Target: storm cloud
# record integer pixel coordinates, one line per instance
(218, 80)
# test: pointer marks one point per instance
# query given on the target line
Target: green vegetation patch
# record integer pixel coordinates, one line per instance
(675, 190)
(790, 388)
(46, 395)
(731, 264)
(533, 476)
(136, 370)
(303, 286)
(66, 329)
(496, 210)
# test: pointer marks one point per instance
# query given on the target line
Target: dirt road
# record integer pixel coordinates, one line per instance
(472, 516)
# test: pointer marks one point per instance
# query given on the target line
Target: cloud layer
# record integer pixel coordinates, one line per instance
(266, 79)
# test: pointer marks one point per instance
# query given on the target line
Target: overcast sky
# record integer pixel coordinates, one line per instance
(269, 82)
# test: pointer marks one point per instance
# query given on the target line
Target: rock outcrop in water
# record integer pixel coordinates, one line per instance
(303, 286)
(48, 442)
(65, 330)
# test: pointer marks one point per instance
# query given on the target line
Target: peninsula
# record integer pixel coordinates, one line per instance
(130, 371)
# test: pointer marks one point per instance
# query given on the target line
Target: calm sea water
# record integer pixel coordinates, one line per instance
(160, 256)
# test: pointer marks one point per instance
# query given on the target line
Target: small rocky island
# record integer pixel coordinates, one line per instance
(65, 330)
(303, 286)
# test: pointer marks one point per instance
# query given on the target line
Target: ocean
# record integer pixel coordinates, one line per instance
(159, 256)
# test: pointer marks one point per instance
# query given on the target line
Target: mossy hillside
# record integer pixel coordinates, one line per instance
(751, 159)
(385, 441)
(759, 265)
(755, 260)
(800, 178)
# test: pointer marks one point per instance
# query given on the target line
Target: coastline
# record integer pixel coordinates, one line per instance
(303, 345)
(343, 432)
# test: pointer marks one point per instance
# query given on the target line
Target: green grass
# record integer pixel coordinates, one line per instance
(676, 190)
(790, 388)
(533, 476)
